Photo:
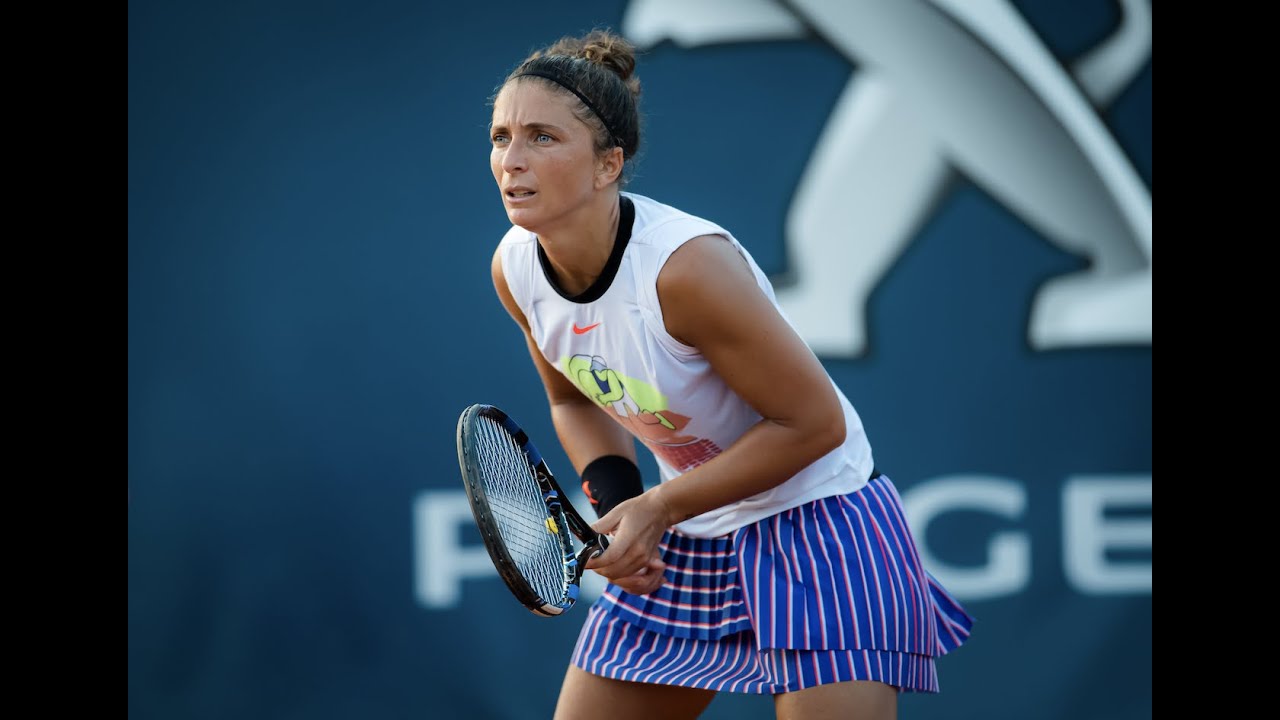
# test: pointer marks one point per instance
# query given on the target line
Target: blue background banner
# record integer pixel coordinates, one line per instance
(311, 218)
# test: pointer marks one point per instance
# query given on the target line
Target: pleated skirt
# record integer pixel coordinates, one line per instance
(829, 591)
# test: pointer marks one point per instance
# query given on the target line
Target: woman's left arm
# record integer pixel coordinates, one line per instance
(710, 300)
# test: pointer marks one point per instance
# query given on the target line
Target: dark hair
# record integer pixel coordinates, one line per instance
(598, 70)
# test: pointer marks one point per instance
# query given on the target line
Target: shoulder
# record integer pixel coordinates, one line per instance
(659, 224)
(702, 261)
(503, 289)
(705, 282)
(515, 236)
(514, 242)
(512, 249)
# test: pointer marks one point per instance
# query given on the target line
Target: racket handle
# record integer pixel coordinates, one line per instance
(592, 549)
(602, 541)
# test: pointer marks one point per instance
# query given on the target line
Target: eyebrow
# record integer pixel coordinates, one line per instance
(532, 126)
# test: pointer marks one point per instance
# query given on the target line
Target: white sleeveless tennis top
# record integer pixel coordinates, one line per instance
(611, 342)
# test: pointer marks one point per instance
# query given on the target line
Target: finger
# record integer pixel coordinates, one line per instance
(657, 582)
(656, 565)
(603, 559)
(622, 565)
(620, 569)
(604, 562)
(607, 524)
(627, 559)
(640, 584)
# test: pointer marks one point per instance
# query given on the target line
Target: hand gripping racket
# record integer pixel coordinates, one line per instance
(523, 515)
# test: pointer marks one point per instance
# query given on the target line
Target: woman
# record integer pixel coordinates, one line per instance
(773, 558)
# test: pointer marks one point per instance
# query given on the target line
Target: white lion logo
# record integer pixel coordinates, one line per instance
(950, 86)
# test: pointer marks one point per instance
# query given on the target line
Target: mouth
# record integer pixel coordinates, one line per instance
(519, 193)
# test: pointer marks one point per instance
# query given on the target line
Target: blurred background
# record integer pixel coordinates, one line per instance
(952, 196)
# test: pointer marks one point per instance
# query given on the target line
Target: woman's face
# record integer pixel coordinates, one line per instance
(543, 156)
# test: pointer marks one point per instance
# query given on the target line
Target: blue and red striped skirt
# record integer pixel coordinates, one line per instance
(829, 591)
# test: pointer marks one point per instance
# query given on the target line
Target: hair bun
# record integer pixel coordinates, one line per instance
(610, 51)
(605, 49)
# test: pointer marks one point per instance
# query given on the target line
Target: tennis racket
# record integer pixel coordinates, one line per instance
(523, 515)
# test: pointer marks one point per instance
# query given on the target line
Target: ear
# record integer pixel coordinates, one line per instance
(608, 167)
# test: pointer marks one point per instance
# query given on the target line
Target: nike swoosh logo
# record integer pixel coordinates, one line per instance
(582, 330)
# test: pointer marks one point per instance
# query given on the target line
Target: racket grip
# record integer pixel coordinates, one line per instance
(602, 543)
(594, 548)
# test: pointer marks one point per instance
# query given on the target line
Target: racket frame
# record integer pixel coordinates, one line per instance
(560, 511)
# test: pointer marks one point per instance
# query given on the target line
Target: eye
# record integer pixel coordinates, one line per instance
(543, 138)
(498, 138)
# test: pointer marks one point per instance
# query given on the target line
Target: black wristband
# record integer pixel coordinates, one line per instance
(609, 481)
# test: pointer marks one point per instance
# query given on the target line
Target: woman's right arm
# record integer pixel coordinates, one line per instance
(585, 432)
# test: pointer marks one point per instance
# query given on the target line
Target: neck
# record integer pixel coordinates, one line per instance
(579, 248)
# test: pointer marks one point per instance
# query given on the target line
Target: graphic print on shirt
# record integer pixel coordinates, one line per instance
(640, 408)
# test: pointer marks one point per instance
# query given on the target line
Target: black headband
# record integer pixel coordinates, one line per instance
(557, 79)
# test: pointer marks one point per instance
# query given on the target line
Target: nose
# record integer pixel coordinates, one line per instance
(514, 159)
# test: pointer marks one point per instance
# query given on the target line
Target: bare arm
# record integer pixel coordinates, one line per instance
(585, 432)
(710, 300)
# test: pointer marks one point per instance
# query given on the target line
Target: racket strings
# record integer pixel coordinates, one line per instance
(527, 528)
